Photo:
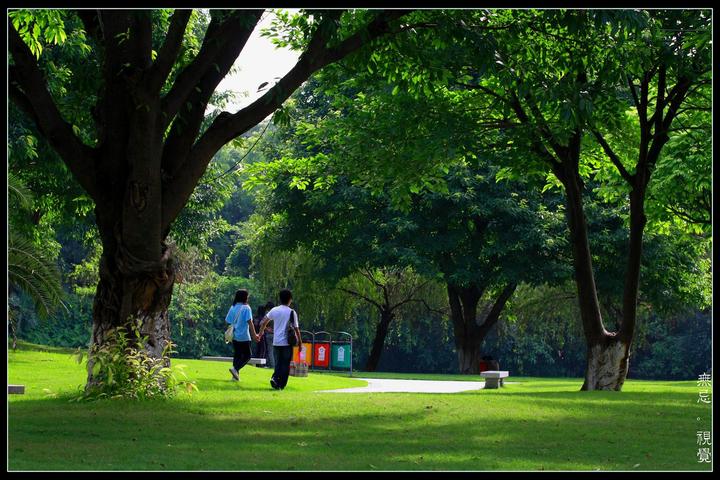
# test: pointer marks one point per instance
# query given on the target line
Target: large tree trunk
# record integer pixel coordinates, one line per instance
(469, 333)
(133, 294)
(607, 363)
(379, 340)
(469, 355)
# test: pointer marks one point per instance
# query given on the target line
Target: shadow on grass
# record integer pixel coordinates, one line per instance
(194, 435)
(33, 347)
(213, 384)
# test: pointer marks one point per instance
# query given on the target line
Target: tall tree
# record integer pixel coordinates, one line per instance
(663, 58)
(149, 141)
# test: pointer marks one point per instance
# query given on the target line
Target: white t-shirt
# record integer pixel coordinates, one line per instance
(280, 316)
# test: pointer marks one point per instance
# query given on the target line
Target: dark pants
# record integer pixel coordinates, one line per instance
(261, 348)
(283, 355)
(270, 356)
(242, 354)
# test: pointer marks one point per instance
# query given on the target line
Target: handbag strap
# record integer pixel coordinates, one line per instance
(290, 318)
(236, 316)
(292, 327)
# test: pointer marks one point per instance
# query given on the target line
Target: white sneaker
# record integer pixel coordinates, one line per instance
(234, 373)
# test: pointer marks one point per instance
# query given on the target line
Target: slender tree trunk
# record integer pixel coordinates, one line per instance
(379, 340)
(632, 274)
(13, 330)
(607, 352)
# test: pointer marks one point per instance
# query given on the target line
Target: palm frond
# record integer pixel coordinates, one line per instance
(30, 270)
(19, 195)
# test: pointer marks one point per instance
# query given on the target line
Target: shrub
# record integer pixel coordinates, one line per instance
(121, 368)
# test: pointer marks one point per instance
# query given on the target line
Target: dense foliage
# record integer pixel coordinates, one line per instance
(421, 157)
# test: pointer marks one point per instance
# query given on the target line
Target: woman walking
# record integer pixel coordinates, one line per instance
(240, 317)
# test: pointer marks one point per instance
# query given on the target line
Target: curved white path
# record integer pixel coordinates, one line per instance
(414, 386)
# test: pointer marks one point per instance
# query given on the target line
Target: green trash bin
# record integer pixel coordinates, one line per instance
(341, 355)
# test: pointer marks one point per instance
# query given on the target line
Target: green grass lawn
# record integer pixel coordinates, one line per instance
(536, 424)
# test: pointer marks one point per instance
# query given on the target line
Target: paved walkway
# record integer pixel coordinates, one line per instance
(415, 386)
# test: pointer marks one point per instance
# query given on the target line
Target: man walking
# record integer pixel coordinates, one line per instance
(285, 322)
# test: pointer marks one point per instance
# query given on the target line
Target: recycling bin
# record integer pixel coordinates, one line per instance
(304, 356)
(342, 353)
(321, 351)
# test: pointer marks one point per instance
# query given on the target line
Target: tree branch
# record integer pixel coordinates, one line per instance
(360, 295)
(410, 295)
(218, 33)
(689, 218)
(483, 89)
(160, 69)
(317, 55)
(228, 126)
(497, 308)
(680, 91)
(673, 93)
(19, 98)
(141, 37)
(636, 100)
(661, 136)
(31, 94)
(386, 295)
(660, 100)
(425, 304)
(642, 106)
(538, 146)
(188, 122)
(613, 157)
(368, 274)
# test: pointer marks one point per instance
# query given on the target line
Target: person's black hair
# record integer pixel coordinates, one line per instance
(269, 306)
(285, 296)
(241, 296)
(261, 311)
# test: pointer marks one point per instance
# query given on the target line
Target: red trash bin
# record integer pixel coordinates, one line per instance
(321, 351)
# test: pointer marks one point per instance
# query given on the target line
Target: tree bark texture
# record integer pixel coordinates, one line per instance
(607, 363)
(133, 295)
